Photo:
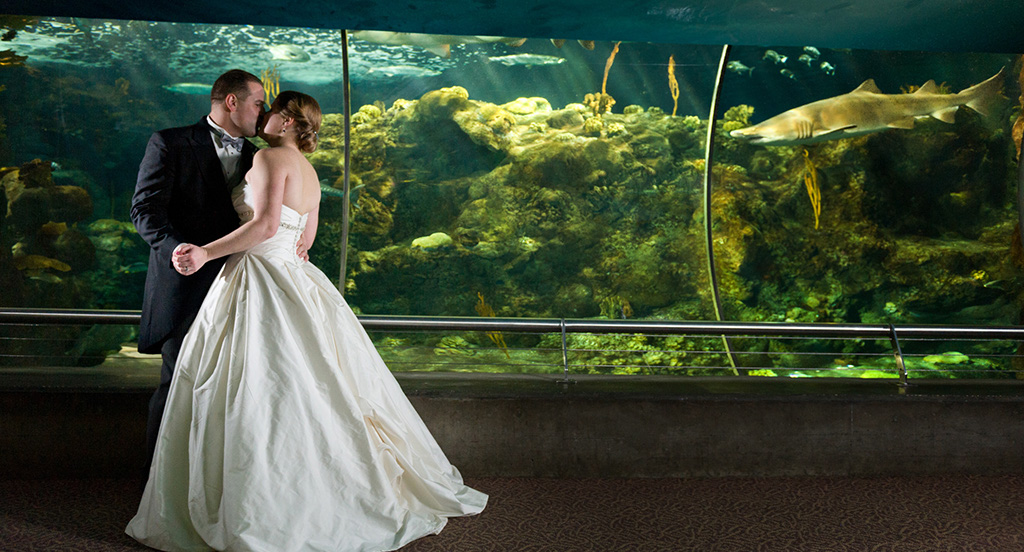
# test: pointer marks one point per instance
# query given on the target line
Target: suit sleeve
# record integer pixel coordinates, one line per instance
(153, 191)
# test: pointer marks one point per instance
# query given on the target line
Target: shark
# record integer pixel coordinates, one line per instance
(194, 88)
(866, 110)
(439, 45)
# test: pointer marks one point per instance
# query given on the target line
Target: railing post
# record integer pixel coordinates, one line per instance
(898, 352)
(565, 357)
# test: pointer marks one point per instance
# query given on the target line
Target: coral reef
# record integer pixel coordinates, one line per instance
(514, 187)
(41, 233)
(600, 103)
(563, 213)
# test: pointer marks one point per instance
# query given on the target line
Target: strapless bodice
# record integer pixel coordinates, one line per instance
(288, 233)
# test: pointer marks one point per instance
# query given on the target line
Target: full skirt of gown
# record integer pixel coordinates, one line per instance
(285, 431)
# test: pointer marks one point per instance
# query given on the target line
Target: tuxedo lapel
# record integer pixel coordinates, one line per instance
(206, 155)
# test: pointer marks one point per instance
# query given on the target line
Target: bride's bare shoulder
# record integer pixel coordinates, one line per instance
(279, 156)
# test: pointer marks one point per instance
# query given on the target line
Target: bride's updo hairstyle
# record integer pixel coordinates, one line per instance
(306, 112)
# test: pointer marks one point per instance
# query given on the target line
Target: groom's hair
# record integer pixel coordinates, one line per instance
(234, 82)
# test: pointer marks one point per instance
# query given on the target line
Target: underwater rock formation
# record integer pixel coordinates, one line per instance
(564, 213)
(531, 198)
(39, 230)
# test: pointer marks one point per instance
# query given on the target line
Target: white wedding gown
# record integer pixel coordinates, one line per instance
(284, 430)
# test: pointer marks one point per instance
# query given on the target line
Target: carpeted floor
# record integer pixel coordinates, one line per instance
(984, 514)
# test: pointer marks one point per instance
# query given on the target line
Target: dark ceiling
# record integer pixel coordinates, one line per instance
(934, 25)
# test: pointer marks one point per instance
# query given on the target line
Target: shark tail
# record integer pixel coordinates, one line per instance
(986, 97)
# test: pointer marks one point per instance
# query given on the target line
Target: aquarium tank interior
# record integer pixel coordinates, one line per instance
(538, 178)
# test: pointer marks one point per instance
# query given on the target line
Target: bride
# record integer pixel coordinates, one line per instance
(284, 430)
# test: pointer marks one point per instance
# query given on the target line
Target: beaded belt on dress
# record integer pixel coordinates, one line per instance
(287, 226)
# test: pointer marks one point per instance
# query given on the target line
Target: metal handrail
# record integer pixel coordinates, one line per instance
(555, 325)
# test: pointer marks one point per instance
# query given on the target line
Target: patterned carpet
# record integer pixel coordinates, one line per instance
(984, 514)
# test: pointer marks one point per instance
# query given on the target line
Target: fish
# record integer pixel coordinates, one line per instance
(866, 110)
(83, 27)
(39, 262)
(53, 228)
(330, 191)
(738, 68)
(828, 68)
(806, 59)
(407, 71)
(193, 88)
(812, 51)
(529, 60)
(436, 44)
(587, 44)
(288, 52)
(787, 73)
(134, 268)
(45, 277)
(774, 56)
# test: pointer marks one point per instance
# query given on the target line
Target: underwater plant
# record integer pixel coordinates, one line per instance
(602, 102)
(673, 84)
(813, 191)
(608, 66)
(1017, 132)
(616, 307)
(271, 79)
(483, 309)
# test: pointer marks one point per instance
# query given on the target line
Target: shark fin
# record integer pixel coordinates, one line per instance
(947, 115)
(818, 133)
(906, 123)
(986, 97)
(868, 86)
(928, 88)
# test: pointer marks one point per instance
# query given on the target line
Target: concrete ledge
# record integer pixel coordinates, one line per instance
(538, 426)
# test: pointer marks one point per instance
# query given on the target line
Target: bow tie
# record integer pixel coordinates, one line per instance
(229, 143)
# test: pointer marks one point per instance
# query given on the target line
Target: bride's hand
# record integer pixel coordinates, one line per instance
(188, 259)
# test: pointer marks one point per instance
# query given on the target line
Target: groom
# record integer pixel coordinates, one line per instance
(183, 195)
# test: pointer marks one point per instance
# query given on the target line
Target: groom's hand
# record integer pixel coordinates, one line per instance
(188, 259)
(301, 249)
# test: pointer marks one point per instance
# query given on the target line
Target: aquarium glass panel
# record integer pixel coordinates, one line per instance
(870, 187)
(526, 178)
(499, 176)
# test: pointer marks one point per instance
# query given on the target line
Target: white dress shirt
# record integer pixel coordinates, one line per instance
(229, 156)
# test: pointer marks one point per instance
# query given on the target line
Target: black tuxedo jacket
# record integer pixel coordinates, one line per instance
(180, 197)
